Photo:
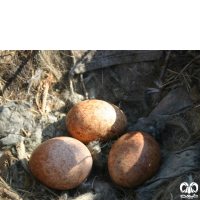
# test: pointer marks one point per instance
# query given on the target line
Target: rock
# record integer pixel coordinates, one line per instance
(176, 102)
(11, 139)
(14, 117)
(5, 113)
(2, 127)
(28, 124)
(52, 118)
(36, 138)
(49, 131)
(11, 128)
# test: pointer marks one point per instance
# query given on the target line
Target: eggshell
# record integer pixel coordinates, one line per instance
(95, 120)
(133, 159)
(61, 163)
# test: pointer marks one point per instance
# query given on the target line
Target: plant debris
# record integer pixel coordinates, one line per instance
(159, 92)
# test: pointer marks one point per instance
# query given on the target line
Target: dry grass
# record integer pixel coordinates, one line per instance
(51, 61)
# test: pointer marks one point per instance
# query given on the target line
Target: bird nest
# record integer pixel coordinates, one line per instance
(159, 92)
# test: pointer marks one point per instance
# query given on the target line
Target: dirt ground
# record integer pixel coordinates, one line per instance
(159, 92)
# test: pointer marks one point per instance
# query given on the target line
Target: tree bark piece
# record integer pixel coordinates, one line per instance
(127, 57)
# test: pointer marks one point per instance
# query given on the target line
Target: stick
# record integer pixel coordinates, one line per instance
(44, 98)
(165, 66)
(21, 151)
(187, 66)
(9, 194)
(49, 190)
(71, 73)
(24, 132)
(83, 85)
(192, 76)
(37, 99)
(4, 183)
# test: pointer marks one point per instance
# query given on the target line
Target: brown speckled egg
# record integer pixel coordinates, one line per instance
(133, 159)
(61, 163)
(95, 120)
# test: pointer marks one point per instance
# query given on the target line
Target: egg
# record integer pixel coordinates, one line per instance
(133, 159)
(62, 163)
(92, 120)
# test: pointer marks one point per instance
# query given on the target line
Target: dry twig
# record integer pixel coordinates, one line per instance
(187, 66)
(46, 84)
(83, 85)
(37, 98)
(44, 98)
(49, 190)
(165, 66)
(189, 76)
(71, 73)
(9, 194)
(4, 183)
(23, 159)
(7, 187)
(25, 132)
